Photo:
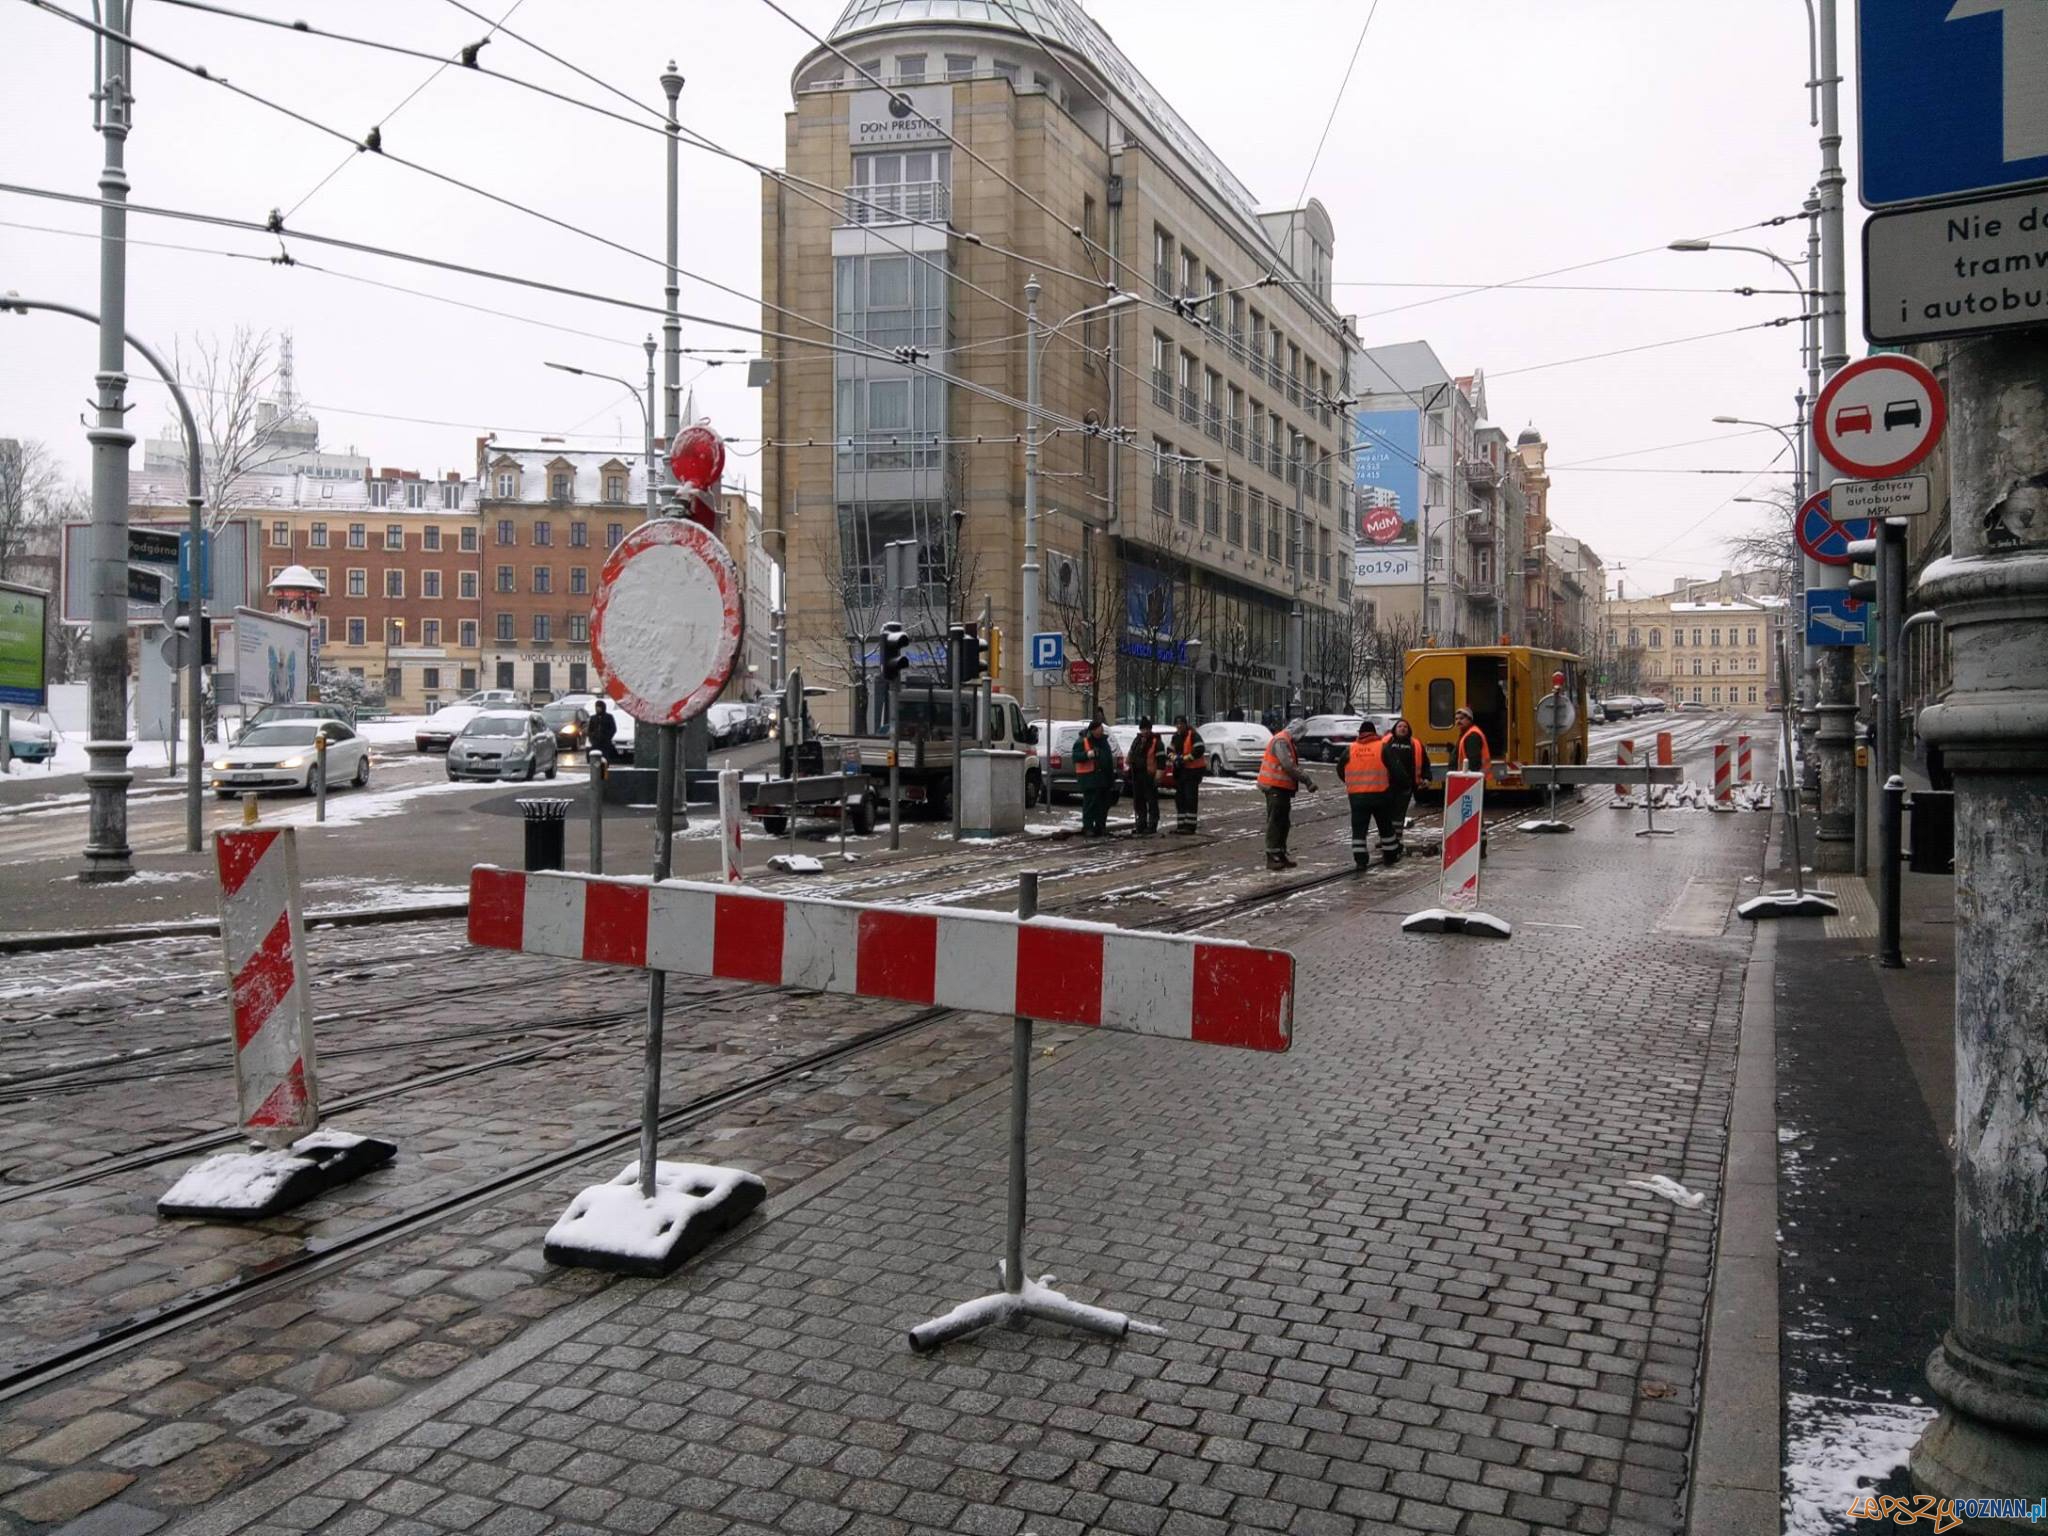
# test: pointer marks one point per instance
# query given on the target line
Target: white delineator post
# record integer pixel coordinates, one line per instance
(729, 821)
(1724, 787)
(1624, 757)
(1457, 909)
(1745, 770)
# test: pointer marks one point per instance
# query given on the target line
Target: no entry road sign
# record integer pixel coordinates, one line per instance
(665, 627)
(1879, 417)
(1821, 537)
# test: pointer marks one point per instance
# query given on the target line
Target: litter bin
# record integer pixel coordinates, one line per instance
(547, 833)
(1933, 847)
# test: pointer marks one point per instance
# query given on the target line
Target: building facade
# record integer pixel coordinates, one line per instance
(1192, 489)
(1682, 648)
(746, 540)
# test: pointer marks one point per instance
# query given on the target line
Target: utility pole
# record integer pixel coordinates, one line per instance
(653, 457)
(107, 776)
(1808, 781)
(1991, 1371)
(1030, 605)
(1835, 735)
(696, 743)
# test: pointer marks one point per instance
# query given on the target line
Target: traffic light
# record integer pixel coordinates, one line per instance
(895, 652)
(967, 640)
(995, 653)
(1863, 552)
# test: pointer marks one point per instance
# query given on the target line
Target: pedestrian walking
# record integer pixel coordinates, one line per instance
(1280, 776)
(1365, 791)
(1143, 767)
(1470, 754)
(1095, 767)
(1190, 762)
(1407, 769)
(604, 730)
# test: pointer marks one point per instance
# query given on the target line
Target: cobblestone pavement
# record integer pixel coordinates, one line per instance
(1404, 1283)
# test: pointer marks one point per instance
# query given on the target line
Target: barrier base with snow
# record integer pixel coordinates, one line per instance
(1790, 904)
(243, 1186)
(1544, 825)
(613, 1227)
(1034, 1298)
(1443, 920)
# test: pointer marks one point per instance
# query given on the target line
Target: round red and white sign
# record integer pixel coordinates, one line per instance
(665, 627)
(1382, 525)
(1879, 417)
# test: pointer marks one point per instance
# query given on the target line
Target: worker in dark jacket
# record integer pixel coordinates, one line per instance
(1280, 776)
(604, 730)
(1470, 754)
(1095, 767)
(1407, 769)
(1190, 762)
(1143, 767)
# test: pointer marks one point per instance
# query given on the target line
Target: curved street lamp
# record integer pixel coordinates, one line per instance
(646, 409)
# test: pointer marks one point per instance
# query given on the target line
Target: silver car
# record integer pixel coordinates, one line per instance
(503, 744)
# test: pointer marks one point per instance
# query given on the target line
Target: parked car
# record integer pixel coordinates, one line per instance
(1058, 738)
(1622, 707)
(1235, 746)
(272, 714)
(1596, 713)
(439, 730)
(1123, 737)
(30, 740)
(1652, 705)
(285, 755)
(1694, 706)
(503, 744)
(730, 724)
(569, 721)
(1328, 738)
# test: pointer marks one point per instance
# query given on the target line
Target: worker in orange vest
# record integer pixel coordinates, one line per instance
(1470, 754)
(1280, 776)
(1095, 768)
(1365, 789)
(1407, 767)
(1190, 761)
(1143, 765)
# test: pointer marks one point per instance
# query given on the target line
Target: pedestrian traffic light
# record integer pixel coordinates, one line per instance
(895, 652)
(1863, 552)
(967, 639)
(995, 652)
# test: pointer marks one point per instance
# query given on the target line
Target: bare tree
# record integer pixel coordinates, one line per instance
(1333, 658)
(1166, 604)
(1770, 547)
(242, 432)
(844, 659)
(33, 499)
(1388, 642)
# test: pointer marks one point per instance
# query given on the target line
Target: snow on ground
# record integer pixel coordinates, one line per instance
(347, 807)
(1670, 1189)
(397, 731)
(1836, 1449)
(340, 893)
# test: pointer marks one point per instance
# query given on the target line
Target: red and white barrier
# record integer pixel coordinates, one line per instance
(1724, 782)
(1664, 755)
(263, 940)
(1210, 991)
(1745, 772)
(1457, 894)
(1624, 757)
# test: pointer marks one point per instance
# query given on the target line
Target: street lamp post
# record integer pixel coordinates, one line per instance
(646, 408)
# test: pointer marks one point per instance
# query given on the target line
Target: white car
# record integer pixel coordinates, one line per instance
(440, 729)
(503, 744)
(1235, 746)
(285, 756)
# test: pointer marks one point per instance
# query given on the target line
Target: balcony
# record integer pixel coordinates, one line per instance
(1190, 405)
(900, 202)
(1480, 531)
(1482, 590)
(1212, 422)
(1162, 389)
(1481, 474)
(1236, 430)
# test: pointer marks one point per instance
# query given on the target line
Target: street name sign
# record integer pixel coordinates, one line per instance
(1820, 537)
(1952, 97)
(1957, 269)
(149, 546)
(145, 584)
(1835, 618)
(1862, 500)
(1879, 417)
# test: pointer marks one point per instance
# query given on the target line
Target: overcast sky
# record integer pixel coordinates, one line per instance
(1479, 141)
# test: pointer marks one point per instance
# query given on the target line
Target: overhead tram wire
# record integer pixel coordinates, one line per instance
(1328, 123)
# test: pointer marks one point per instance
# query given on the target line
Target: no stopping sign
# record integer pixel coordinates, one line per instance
(665, 627)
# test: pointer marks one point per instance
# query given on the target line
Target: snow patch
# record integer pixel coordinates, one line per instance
(796, 864)
(1836, 1449)
(249, 1180)
(1670, 1189)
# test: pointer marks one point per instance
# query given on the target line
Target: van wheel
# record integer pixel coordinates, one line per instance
(775, 826)
(862, 813)
(1033, 791)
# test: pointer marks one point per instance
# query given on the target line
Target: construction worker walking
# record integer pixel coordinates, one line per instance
(1471, 754)
(1095, 767)
(1280, 776)
(1143, 767)
(1190, 762)
(1407, 767)
(1366, 786)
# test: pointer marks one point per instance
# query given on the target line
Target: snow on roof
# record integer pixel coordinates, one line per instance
(536, 468)
(296, 491)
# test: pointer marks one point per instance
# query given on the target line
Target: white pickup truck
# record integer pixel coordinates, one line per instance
(925, 758)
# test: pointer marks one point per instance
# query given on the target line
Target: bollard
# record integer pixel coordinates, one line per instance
(1624, 757)
(1893, 810)
(1724, 788)
(249, 808)
(1744, 771)
(1664, 757)
(729, 820)
(320, 776)
(547, 833)
(597, 776)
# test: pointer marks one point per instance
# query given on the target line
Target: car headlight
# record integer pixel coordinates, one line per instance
(220, 762)
(293, 762)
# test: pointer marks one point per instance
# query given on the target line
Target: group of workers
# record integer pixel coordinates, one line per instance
(1183, 755)
(1381, 775)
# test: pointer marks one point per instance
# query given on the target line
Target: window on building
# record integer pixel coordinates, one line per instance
(394, 631)
(430, 633)
(1697, 667)
(543, 578)
(358, 536)
(1234, 514)
(1162, 475)
(320, 627)
(415, 493)
(281, 535)
(959, 66)
(327, 491)
(1258, 346)
(614, 488)
(1212, 505)
(558, 486)
(430, 677)
(430, 538)
(320, 574)
(469, 540)
(579, 535)
(1323, 553)
(506, 484)
(1190, 402)
(1212, 403)
(1656, 639)
(451, 495)
(1162, 372)
(1752, 694)
(1678, 637)
(394, 583)
(579, 676)
(1752, 635)
(579, 579)
(1005, 70)
(1188, 473)
(505, 582)
(505, 627)
(1257, 525)
(430, 583)
(543, 534)
(579, 627)
(543, 627)
(613, 532)
(1695, 637)
(394, 536)
(1258, 453)
(358, 583)
(1716, 640)
(1162, 260)
(1277, 458)
(466, 631)
(506, 536)
(1436, 429)
(543, 677)
(910, 68)
(465, 584)
(316, 536)
(358, 630)
(380, 493)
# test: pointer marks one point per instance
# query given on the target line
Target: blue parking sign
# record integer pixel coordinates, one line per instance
(1952, 97)
(1048, 651)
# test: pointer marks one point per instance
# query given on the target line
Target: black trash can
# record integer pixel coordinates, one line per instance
(1932, 846)
(547, 833)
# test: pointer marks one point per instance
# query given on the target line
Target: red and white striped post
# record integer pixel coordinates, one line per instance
(1624, 757)
(1724, 786)
(1457, 892)
(729, 821)
(263, 940)
(1745, 772)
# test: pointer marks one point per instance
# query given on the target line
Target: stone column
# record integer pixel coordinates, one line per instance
(1991, 1370)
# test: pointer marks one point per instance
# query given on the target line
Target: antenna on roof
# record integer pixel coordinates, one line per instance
(287, 397)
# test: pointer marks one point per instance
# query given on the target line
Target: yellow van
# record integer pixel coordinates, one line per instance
(1501, 685)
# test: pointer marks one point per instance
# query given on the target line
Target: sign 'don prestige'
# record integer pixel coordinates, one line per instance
(911, 114)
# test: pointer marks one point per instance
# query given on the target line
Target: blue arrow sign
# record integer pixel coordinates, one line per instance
(1833, 617)
(1048, 651)
(1953, 97)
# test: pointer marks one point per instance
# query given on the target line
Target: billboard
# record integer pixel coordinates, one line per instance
(22, 656)
(273, 658)
(227, 567)
(1387, 480)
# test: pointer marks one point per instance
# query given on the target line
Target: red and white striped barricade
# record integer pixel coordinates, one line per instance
(1665, 759)
(1724, 778)
(263, 943)
(1624, 757)
(1745, 770)
(1205, 991)
(1457, 909)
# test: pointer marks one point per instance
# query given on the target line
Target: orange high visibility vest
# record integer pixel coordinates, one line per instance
(1272, 775)
(1485, 753)
(1365, 767)
(1084, 755)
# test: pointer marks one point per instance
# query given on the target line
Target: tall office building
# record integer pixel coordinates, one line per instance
(1194, 484)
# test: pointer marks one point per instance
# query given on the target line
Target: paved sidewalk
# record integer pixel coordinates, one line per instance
(1405, 1282)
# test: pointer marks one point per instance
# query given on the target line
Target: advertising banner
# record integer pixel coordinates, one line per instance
(22, 678)
(273, 658)
(1389, 497)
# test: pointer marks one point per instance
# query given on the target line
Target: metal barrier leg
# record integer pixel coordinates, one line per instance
(1650, 827)
(597, 778)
